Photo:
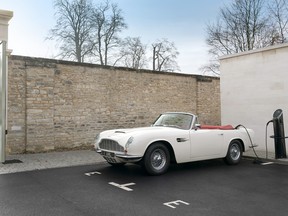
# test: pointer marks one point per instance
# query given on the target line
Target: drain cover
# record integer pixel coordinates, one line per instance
(12, 161)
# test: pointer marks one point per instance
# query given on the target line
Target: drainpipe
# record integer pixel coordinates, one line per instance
(5, 17)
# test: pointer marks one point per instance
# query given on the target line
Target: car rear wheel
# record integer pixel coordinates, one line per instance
(234, 153)
(156, 159)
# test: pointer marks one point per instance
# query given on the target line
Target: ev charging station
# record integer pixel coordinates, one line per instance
(279, 134)
(5, 17)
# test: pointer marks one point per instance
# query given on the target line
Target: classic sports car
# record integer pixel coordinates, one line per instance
(174, 137)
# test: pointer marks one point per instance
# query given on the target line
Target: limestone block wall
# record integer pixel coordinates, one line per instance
(55, 105)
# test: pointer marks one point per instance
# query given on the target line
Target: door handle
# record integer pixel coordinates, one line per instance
(182, 139)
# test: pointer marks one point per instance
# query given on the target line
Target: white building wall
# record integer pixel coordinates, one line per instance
(253, 85)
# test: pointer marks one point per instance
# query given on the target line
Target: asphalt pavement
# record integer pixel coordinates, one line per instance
(199, 188)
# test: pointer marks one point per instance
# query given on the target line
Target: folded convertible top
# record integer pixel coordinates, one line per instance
(224, 127)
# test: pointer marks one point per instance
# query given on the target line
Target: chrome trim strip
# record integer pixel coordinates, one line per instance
(123, 156)
(128, 157)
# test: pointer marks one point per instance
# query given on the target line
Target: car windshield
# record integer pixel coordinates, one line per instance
(177, 120)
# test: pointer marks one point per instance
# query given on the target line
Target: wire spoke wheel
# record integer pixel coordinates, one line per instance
(157, 159)
(234, 153)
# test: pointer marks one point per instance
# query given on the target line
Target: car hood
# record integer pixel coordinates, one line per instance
(128, 132)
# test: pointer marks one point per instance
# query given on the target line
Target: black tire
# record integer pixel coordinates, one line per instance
(234, 153)
(157, 159)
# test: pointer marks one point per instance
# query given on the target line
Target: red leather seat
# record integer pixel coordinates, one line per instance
(224, 127)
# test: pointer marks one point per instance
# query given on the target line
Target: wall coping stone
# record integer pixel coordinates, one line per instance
(46, 62)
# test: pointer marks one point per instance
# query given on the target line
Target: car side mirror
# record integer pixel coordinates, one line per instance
(197, 126)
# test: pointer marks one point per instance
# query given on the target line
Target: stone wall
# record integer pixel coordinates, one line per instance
(55, 105)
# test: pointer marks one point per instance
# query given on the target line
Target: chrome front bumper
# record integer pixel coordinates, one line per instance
(118, 157)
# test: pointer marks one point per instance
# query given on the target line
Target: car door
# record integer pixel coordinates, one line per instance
(206, 143)
(181, 145)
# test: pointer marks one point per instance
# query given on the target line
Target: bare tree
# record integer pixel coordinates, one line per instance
(246, 25)
(164, 56)
(133, 53)
(239, 28)
(212, 68)
(73, 29)
(107, 22)
(279, 12)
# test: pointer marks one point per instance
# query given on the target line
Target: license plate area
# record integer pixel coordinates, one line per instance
(108, 154)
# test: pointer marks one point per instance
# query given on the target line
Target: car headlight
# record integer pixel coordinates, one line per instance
(129, 141)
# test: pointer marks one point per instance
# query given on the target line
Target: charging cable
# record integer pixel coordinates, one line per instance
(258, 160)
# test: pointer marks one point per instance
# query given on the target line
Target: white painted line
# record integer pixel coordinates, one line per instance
(92, 173)
(177, 202)
(267, 163)
(123, 186)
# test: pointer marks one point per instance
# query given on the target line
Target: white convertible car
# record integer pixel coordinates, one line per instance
(173, 138)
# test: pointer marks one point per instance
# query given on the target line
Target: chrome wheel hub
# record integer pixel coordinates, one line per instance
(235, 152)
(158, 159)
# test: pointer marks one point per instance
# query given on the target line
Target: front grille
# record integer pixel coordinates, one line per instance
(111, 145)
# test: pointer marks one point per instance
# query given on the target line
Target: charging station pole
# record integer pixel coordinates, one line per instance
(5, 16)
(279, 134)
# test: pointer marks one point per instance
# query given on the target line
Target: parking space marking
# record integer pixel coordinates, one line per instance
(92, 173)
(176, 202)
(267, 163)
(123, 186)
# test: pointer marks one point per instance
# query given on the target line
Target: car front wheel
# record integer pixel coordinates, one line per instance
(234, 153)
(156, 159)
